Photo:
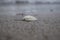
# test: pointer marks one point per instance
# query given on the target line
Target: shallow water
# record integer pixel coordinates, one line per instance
(46, 28)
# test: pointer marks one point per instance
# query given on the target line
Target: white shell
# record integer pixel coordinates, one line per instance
(29, 18)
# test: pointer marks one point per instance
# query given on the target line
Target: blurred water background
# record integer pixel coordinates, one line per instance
(46, 28)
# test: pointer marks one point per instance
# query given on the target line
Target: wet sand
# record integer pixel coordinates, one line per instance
(46, 28)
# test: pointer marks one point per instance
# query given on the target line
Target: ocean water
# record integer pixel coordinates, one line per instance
(29, 9)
